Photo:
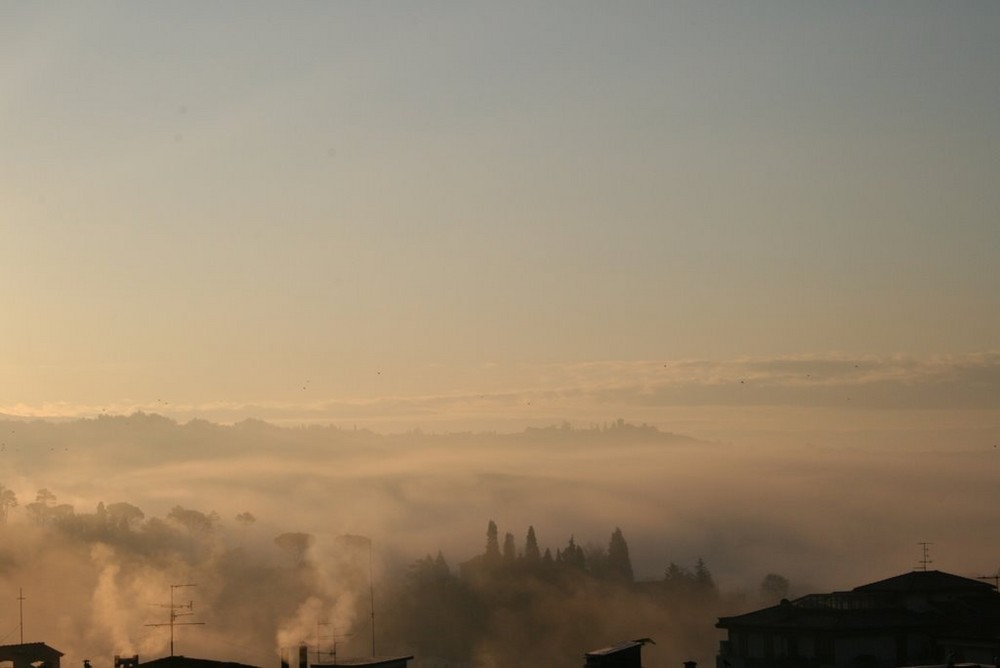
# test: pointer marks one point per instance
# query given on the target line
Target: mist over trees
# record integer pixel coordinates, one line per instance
(497, 606)
(8, 501)
(522, 609)
(557, 540)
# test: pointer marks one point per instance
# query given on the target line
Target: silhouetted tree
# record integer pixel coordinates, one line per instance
(492, 556)
(296, 544)
(678, 580)
(619, 566)
(124, 516)
(774, 587)
(509, 551)
(245, 519)
(61, 511)
(682, 581)
(704, 581)
(572, 555)
(531, 554)
(596, 559)
(102, 514)
(196, 522)
(8, 500)
(441, 566)
(433, 612)
(39, 511)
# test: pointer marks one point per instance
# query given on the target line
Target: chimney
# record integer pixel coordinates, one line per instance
(303, 656)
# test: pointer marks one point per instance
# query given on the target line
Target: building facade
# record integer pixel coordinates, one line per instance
(30, 655)
(923, 617)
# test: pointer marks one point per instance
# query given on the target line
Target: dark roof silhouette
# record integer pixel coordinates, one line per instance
(879, 604)
(373, 661)
(931, 611)
(30, 646)
(806, 613)
(614, 649)
(926, 582)
(191, 662)
(622, 655)
(26, 654)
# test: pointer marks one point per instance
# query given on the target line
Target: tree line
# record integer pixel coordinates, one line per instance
(510, 597)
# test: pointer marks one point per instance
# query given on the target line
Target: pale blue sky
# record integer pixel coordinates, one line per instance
(229, 202)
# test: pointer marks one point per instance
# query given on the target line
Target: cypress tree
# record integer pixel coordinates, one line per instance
(492, 556)
(619, 564)
(531, 554)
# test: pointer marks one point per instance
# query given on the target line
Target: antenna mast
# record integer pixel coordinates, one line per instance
(994, 578)
(926, 558)
(319, 641)
(333, 635)
(20, 605)
(174, 614)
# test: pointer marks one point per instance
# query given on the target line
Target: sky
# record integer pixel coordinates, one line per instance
(726, 219)
(770, 229)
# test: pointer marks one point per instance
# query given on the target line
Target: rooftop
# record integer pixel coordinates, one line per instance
(620, 647)
(926, 581)
(31, 646)
(371, 661)
(914, 599)
(190, 662)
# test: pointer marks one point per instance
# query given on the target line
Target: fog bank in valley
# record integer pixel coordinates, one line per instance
(134, 504)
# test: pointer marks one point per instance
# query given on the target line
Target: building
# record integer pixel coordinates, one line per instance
(922, 617)
(380, 662)
(374, 662)
(183, 662)
(622, 655)
(30, 655)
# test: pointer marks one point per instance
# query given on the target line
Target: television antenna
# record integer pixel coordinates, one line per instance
(332, 636)
(319, 642)
(926, 560)
(178, 610)
(20, 604)
(995, 578)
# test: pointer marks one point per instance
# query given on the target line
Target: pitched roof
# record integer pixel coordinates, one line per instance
(790, 615)
(191, 662)
(34, 646)
(926, 581)
(620, 647)
(911, 600)
(374, 661)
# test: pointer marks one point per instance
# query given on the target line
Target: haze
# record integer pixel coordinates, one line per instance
(723, 275)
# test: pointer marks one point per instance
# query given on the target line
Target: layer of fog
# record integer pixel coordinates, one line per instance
(824, 517)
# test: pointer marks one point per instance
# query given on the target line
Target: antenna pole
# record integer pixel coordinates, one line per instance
(371, 592)
(20, 605)
(319, 641)
(926, 560)
(994, 578)
(174, 614)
